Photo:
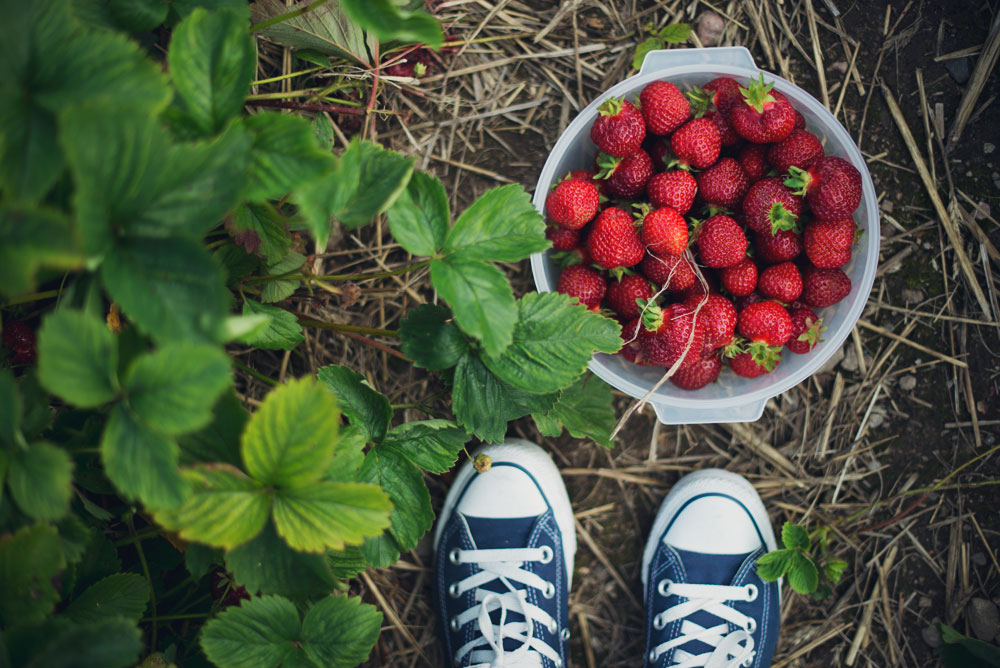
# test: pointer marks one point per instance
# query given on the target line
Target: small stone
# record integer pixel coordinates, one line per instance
(925, 602)
(981, 211)
(958, 68)
(984, 618)
(710, 28)
(912, 296)
(978, 558)
(839, 66)
(931, 636)
(908, 382)
(988, 148)
(877, 417)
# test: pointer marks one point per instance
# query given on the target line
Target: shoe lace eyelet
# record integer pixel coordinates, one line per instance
(453, 624)
(453, 590)
(751, 625)
(659, 622)
(751, 592)
(652, 656)
(454, 555)
(547, 554)
(663, 586)
(553, 627)
(557, 662)
(564, 634)
(549, 591)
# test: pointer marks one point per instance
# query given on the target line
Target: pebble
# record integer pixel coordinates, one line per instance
(925, 602)
(931, 636)
(908, 382)
(979, 559)
(958, 68)
(710, 28)
(984, 618)
(912, 296)
(988, 148)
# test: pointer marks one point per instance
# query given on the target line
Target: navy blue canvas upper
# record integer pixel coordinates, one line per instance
(470, 533)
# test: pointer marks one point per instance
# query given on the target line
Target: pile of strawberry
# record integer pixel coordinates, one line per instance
(739, 283)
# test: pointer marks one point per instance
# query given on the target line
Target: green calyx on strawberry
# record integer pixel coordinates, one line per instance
(798, 180)
(813, 333)
(566, 258)
(737, 346)
(782, 219)
(652, 315)
(613, 106)
(608, 164)
(757, 94)
(764, 355)
(701, 101)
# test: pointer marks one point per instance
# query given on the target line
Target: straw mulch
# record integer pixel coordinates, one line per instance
(893, 446)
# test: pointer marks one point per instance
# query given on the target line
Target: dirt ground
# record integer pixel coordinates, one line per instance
(908, 483)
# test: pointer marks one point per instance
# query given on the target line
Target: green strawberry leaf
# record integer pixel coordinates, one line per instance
(31, 239)
(138, 15)
(677, 33)
(960, 651)
(411, 515)
(431, 339)
(30, 561)
(212, 60)
(348, 455)
(391, 22)
(266, 565)
(795, 536)
(348, 563)
(292, 437)
(803, 575)
(501, 226)
(283, 331)
(433, 445)
(260, 230)
(40, 479)
(329, 515)
(553, 342)
(339, 632)
(325, 29)
(174, 388)
(419, 218)
(834, 570)
(77, 358)
(119, 595)
(219, 441)
(277, 289)
(650, 44)
(774, 565)
(584, 408)
(285, 153)
(481, 298)
(365, 407)
(104, 643)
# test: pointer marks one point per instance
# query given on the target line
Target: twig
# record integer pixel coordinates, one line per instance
(913, 344)
(390, 612)
(599, 553)
(817, 54)
(307, 106)
(987, 59)
(863, 627)
(588, 647)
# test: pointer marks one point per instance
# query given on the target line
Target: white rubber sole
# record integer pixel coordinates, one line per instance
(715, 481)
(539, 463)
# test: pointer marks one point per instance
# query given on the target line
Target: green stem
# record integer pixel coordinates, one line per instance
(339, 277)
(337, 327)
(165, 618)
(149, 579)
(288, 15)
(256, 374)
(34, 297)
(290, 75)
(137, 537)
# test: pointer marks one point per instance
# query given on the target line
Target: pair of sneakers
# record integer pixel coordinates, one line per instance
(504, 549)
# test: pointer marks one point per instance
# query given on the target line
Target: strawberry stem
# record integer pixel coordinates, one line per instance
(612, 106)
(700, 100)
(757, 94)
(798, 180)
(764, 355)
(782, 219)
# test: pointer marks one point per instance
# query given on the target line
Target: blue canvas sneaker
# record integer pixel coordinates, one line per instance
(503, 561)
(705, 604)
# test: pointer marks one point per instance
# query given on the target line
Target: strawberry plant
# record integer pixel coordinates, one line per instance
(148, 229)
(805, 561)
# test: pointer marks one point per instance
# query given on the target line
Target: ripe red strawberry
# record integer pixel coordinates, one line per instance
(582, 174)
(782, 246)
(718, 315)
(626, 177)
(832, 187)
(665, 231)
(622, 294)
(613, 241)
(767, 326)
(741, 278)
(781, 281)
(727, 135)
(799, 149)
(619, 128)
(584, 283)
(828, 242)
(674, 272)
(723, 184)
(696, 144)
(664, 107)
(698, 374)
(800, 121)
(572, 203)
(752, 298)
(824, 287)
(659, 152)
(806, 331)
(675, 189)
(770, 205)
(671, 334)
(631, 348)
(753, 160)
(721, 242)
(725, 93)
(20, 339)
(561, 238)
(764, 116)
(743, 364)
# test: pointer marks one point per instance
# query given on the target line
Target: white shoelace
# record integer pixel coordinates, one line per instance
(732, 650)
(487, 650)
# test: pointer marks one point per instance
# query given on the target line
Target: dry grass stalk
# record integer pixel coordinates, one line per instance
(984, 66)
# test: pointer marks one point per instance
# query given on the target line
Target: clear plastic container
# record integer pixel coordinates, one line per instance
(732, 398)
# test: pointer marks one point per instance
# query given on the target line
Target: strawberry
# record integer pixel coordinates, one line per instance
(753, 160)
(20, 339)
(764, 115)
(800, 121)
(699, 373)
(832, 187)
(741, 278)
(674, 272)
(626, 177)
(631, 348)
(781, 281)
(622, 294)
(743, 364)
(721, 242)
(659, 152)
(671, 334)
(828, 242)
(675, 189)
(584, 283)
(770, 205)
(561, 238)
(696, 144)
(767, 326)
(568, 258)
(806, 331)
(619, 128)
(665, 231)
(752, 298)
(572, 203)
(582, 174)
(723, 184)
(725, 93)
(824, 287)
(664, 107)
(613, 241)
(782, 246)
(718, 315)
(799, 149)
(727, 135)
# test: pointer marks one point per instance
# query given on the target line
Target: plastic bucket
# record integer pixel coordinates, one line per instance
(732, 398)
